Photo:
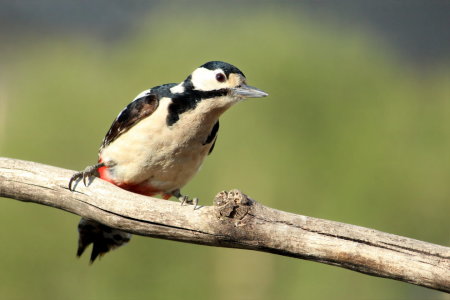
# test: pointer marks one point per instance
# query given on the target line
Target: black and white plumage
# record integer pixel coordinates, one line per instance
(159, 141)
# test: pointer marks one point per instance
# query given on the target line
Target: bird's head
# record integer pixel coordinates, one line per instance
(210, 90)
(223, 78)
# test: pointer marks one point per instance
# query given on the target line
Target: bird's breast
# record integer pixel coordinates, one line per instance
(164, 157)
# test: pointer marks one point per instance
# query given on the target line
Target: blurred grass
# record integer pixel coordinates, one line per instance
(348, 133)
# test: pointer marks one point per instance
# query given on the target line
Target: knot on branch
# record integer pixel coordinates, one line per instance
(233, 204)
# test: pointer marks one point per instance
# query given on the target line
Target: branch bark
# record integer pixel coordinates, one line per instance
(234, 221)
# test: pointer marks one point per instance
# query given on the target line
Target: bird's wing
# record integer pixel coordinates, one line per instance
(212, 137)
(143, 106)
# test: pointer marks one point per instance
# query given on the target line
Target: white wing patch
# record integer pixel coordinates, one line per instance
(178, 89)
(142, 94)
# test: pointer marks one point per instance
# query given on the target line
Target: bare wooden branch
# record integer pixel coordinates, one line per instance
(234, 221)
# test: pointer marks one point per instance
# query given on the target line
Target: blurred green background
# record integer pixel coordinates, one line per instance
(355, 130)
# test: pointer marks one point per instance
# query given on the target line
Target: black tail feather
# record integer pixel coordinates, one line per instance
(103, 238)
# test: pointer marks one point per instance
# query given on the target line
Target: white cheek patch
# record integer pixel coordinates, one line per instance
(205, 80)
(142, 94)
(178, 89)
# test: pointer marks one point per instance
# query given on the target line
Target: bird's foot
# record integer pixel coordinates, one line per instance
(185, 199)
(84, 175)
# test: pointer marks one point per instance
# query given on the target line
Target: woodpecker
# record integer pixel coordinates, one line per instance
(158, 142)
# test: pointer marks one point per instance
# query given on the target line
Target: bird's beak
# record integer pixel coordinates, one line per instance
(247, 91)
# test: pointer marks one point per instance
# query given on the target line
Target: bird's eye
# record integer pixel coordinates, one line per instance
(220, 77)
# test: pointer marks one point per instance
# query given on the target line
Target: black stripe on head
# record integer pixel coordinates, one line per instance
(227, 68)
(189, 100)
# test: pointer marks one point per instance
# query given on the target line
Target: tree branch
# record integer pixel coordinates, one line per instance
(234, 221)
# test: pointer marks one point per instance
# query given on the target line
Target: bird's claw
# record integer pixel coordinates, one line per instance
(84, 178)
(195, 203)
(84, 175)
(185, 200)
(75, 177)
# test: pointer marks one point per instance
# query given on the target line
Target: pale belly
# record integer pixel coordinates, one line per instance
(164, 169)
(164, 158)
